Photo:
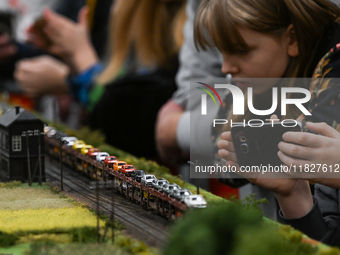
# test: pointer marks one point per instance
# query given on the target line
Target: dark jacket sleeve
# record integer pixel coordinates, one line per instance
(322, 223)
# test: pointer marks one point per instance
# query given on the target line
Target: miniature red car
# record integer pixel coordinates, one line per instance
(127, 169)
(108, 161)
(92, 153)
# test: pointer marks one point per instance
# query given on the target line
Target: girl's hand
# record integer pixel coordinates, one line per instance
(227, 150)
(315, 156)
(289, 191)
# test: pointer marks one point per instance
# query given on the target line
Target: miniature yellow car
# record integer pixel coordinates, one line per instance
(85, 148)
(78, 145)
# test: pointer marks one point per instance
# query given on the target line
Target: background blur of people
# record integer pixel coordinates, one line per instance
(44, 75)
(138, 78)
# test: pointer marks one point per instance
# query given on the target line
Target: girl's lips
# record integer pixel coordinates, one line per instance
(243, 85)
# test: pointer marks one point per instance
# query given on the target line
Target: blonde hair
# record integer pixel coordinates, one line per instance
(151, 28)
(217, 22)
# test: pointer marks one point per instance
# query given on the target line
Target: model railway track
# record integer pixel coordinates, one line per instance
(138, 189)
(105, 203)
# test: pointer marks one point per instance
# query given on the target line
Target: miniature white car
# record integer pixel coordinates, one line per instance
(50, 131)
(169, 188)
(195, 201)
(100, 157)
(69, 140)
(147, 179)
(180, 194)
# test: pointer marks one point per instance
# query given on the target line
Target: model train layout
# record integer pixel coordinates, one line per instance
(166, 199)
(22, 155)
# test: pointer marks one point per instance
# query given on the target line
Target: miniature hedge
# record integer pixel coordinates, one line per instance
(7, 239)
(231, 229)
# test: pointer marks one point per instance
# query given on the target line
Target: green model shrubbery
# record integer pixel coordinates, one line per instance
(231, 229)
(7, 239)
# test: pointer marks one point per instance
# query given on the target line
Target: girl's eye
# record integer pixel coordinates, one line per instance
(241, 52)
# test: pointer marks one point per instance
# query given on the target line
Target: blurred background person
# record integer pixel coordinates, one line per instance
(44, 78)
(139, 74)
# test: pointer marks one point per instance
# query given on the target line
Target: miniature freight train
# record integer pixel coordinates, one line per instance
(166, 199)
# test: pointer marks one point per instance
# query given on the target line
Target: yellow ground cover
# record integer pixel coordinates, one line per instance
(30, 198)
(46, 219)
(39, 209)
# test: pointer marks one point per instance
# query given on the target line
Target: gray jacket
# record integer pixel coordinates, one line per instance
(323, 221)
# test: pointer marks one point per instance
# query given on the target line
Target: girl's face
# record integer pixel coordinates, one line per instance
(267, 56)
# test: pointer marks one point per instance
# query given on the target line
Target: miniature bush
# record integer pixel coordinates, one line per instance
(129, 245)
(40, 248)
(231, 229)
(11, 184)
(84, 235)
(7, 239)
(209, 231)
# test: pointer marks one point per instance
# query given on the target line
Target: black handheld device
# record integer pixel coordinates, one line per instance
(6, 22)
(255, 146)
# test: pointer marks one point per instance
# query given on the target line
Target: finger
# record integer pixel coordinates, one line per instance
(26, 66)
(227, 136)
(18, 75)
(223, 144)
(52, 33)
(55, 20)
(302, 138)
(232, 163)
(83, 16)
(297, 151)
(228, 155)
(274, 118)
(323, 129)
(290, 161)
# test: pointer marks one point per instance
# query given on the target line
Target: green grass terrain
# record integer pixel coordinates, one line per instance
(39, 220)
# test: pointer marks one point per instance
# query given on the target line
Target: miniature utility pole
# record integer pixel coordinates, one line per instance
(39, 158)
(28, 159)
(112, 214)
(61, 166)
(97, 203)
(111, 221)
(197, 179)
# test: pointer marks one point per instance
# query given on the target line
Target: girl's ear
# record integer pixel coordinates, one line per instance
(290, 38)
